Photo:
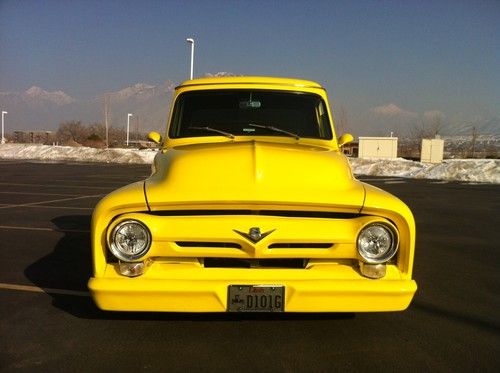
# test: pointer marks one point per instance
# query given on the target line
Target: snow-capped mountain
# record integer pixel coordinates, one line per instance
(38, 109)
(37, 96)
(56, 97)
(142, 91)
(149, 105)
(490, 126)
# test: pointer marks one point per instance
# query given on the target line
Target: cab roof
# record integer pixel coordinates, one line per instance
(238, 80)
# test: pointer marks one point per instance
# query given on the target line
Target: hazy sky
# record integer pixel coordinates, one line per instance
(374, 57)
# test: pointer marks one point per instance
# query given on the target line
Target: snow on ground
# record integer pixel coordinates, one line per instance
(75, 154)
(469, 170)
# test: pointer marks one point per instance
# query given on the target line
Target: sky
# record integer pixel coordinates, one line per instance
(394, 60)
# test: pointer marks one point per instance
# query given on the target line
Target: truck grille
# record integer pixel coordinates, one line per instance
(233, 245)
(254, 263)
(300, 246)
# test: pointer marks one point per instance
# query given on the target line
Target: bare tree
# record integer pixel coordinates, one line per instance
(428, 126)
(116, 136)
(435, 125)
(97, 129)
(72, 131)
(342, 121)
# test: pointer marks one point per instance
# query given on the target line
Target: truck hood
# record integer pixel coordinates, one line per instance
(252, 174)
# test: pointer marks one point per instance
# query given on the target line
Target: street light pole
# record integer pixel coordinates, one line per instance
(3, 128)
(128, 125)
(191, 41)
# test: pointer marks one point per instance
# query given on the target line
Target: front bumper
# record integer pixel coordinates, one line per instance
(175, 287)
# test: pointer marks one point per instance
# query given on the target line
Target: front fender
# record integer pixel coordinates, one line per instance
(130, 198)
(381, 203)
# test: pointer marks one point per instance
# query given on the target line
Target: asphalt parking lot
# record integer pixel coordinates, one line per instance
(49, 323)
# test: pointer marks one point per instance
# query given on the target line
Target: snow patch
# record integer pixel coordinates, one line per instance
(467, 170)
(57, 97)
(76, 154)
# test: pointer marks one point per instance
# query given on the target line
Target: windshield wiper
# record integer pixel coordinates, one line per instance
(275, 129)
(227, 134)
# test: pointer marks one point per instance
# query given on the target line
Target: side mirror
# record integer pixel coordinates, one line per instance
(346, 138)
(154, 137)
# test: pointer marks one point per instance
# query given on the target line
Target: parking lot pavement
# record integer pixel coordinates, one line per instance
(48, 322)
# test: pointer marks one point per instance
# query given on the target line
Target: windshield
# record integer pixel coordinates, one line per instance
(250, 113)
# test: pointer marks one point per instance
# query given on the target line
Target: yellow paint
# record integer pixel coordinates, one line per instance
(346, 138)
(249, 176)
(154, 137)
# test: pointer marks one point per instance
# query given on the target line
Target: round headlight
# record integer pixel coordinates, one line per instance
(129, 240)
(377, 243)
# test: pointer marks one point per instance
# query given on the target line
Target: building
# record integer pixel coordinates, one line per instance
(432, 150)
(34, 137)
(378, 147)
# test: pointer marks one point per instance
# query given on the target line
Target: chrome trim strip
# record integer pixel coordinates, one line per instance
(251, 84)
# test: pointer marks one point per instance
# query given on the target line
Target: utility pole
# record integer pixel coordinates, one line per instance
(342, 122)
(106, 115)
(474, 136)
(137, 127)
(128, 125)
(3, 128)
(191, 41)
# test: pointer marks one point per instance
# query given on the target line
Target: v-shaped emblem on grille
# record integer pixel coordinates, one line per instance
(254, 235)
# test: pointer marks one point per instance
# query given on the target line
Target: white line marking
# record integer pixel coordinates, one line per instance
(56, 186)
(43, 194)
(121, 177)
(381, 179)
(115, 183)
(395, 182)
(36, 289)
(52, 207)
(44, 229)
(52, 201)
(57, 207)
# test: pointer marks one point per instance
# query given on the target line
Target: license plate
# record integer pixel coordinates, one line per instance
(256, 298)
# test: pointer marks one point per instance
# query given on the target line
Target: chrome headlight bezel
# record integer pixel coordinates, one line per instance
(115, 248)
(388, 254)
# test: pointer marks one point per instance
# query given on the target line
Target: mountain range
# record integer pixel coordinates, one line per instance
(38, 109)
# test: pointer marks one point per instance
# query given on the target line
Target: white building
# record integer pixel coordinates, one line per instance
(378, 147)
(432, 150)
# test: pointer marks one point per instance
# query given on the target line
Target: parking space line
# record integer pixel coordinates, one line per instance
(58, 207)
(395, 182)
(42, 194)
(56, 186)
(44, 229)
(116, 183)
(380, 180)
(126, 177)
(36, 289)
(55, 207)
(51, 201)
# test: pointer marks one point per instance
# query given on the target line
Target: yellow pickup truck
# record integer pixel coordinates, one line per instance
(251, 207)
